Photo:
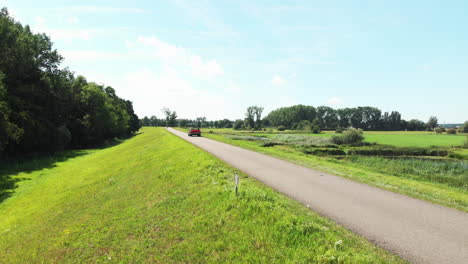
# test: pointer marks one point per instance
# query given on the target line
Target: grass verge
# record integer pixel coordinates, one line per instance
(157, 199)
(419, 187)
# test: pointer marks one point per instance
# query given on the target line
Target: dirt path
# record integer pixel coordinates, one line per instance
(418, 231)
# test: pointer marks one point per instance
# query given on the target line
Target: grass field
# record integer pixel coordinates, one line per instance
(157, 199)
(395, 138)
(413, 178)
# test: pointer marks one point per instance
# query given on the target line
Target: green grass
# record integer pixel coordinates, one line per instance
(453, 173)
(412, 185)
(415, 140)
(157, 199)
(394, 138)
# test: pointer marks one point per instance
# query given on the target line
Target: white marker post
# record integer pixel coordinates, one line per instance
(236, 179)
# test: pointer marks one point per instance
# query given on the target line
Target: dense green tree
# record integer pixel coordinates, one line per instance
(171, 117)
(201, 121)
(464, 128)
(327, 117)
(44, 107)
(415, 125)
(249, 121)
(291, 116)
(432, 123)
(238, 124)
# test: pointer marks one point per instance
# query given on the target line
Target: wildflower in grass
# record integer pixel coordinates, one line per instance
(66, 231)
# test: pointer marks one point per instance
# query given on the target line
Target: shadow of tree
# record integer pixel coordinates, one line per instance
(11, 167)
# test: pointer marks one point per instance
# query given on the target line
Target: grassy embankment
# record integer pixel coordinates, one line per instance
(441, 181)
(157, 199)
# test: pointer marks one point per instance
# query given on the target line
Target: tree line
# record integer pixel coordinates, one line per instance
(303, 117)
(363, 117)
(46, 108)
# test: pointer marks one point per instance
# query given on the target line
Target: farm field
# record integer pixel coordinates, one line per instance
(437, 179)
(394, 138)
(155, 198)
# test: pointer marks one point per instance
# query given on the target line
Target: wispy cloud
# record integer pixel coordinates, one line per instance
(173, 55)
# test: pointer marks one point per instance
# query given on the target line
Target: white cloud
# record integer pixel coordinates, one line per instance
(64, 34)
(278, 80)
(89, 55)
(173, 55)
(233, 89)
(151, 91)
(334, 101)
(72, 20)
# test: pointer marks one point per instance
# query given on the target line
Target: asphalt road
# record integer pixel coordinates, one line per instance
(418, 231)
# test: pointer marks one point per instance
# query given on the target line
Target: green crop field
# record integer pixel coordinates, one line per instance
(157, 199)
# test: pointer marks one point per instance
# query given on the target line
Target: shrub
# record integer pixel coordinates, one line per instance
(438, 130)
(304, 125)
(451, 131)
(339, 130)
(350, 136)
(281, 128)
(315, 129)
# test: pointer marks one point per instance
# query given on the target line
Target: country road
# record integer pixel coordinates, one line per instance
(418, 231)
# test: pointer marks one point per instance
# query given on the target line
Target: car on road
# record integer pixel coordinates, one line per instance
(194, 132)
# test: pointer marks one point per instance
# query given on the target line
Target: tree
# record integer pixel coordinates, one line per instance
(304, 125)
(171, 117)
(327, 117)
(432, 123)
(289, 117)
(238, 124)
(464, 128)
(258, 117)
(46, 108)
(416, 125)
(249, 121)
(201, 121)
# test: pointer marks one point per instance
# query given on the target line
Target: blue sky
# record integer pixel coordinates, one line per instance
(215, 58)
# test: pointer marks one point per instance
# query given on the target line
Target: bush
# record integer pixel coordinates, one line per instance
(281, 128)
(304, 125)
(339, 130)
(350, 136)
(315, 129)
(451, 131)
(438, 130)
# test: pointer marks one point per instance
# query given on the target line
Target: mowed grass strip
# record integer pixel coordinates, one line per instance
(157, 199)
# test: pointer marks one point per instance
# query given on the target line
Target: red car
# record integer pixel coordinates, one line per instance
(194, 131)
